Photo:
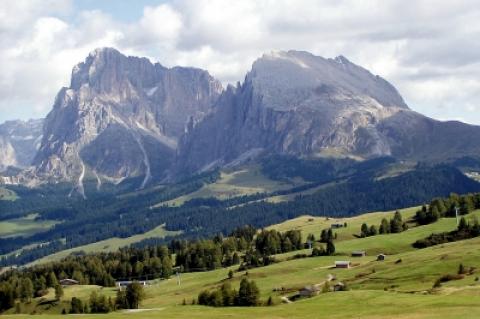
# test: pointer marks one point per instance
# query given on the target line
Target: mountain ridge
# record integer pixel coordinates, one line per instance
(125, 117)
(291, 103)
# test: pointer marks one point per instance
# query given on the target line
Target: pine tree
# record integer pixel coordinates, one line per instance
(26, 290)
(324, 236)
(396, 224)
(462, 225)
(135, 295)
(384, 226)
(364, 230)
(121, 300)
(270, 301)
(242, 299)
(76, 305)
(167, 267)
(228, 295)
(52, 280)
(330, 248)
(253, 294)
(235, 259)
(372, 231)
(58, 292)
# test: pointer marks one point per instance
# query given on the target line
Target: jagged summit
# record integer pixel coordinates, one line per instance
(294, 76)
(126, 117)
(121, 117)
(296, 103)
(19, 141)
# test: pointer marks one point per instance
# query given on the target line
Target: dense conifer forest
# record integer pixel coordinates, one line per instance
(356, 190)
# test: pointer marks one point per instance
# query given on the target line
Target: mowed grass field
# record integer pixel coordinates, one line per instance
(399, 287)
(246, 181)
(108, 245)
(25, 226)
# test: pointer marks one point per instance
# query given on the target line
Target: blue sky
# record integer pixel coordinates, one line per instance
(126, 11)
(428, 49)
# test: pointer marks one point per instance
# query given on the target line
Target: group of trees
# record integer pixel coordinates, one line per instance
(202, 255)
(145, 263)
(248, 294)
(25, 289)
(329, 250)
(447, 207)
(327, 237)
(465, 230)
(271, 242)
(395, 225)
(105, 215)
(96, 269)
(129, 298)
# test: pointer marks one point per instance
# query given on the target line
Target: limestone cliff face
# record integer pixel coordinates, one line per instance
(19, 141)
(121, 117)
(304, 105)
(124, 117)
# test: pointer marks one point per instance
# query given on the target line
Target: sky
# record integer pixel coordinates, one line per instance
(429, 50)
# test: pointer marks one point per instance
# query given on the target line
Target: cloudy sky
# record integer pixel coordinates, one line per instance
(430, 50)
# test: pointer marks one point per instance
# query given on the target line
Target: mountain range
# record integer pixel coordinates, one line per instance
(124, 117)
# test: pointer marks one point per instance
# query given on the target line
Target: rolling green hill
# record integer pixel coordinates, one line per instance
(234, 183)
(24, 226)
(108, 245)
(399, 287)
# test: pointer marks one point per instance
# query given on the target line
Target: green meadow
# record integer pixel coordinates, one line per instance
(25, 226)
(108, 245)
(399, 287)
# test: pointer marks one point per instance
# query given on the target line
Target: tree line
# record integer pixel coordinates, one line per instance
(247, 295)
(129, 298)
(465, 230)
(107, 215)
(447, 207)
(395, 225)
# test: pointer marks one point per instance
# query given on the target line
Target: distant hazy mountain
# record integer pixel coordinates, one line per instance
(121, 117)
(299, 104)
(125, 117)
(19, 142)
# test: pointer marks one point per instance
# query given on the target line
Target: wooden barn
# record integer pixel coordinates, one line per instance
(359, 253)
(343, 264)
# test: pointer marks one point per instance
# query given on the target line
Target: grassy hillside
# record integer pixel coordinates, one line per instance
(108, 245)
(246, 181)
(400, 287)
(25, 226)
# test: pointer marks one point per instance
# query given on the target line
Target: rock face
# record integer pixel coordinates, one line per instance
(121, 117)
(126, 117)
(19, 141)
(304, 105)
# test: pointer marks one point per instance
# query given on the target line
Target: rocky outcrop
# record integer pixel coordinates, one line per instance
(125, 117)
(303, 105)
(19, 141)
(121, 117)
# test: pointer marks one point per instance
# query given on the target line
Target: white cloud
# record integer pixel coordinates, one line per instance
(427, 49)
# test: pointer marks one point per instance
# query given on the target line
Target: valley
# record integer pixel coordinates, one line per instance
(405, 278)
(244, 159)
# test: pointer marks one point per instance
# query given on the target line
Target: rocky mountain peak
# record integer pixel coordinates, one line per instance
(19, 141)
(288, 79)
(296, 103)
(122, 117)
